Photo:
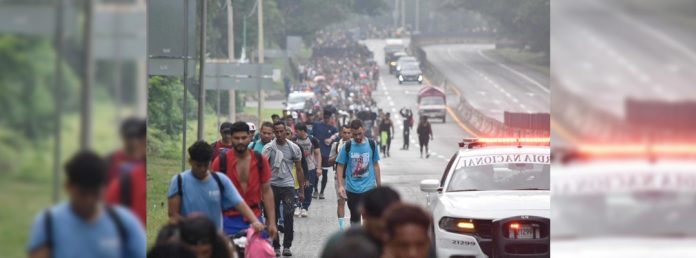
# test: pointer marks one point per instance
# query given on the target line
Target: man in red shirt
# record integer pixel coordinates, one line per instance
(251, 178)
(225, 141)
(130, 191)
(133, 134)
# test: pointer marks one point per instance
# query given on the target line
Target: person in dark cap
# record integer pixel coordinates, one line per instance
(225, 141)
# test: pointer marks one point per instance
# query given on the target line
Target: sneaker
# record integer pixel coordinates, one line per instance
(287, 252)
(277, 252)
(315, 194)
(427, 155)
(321, 197)
(297, 212)
(304, 213)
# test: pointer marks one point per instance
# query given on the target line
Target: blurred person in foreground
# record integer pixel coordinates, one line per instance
(84, 226)
(194, 236)
(199, 190)
(250, 172)
(407, 229)
(358, 169)
(346, 135)
(171, 250)
(127, 169)
(374, 204)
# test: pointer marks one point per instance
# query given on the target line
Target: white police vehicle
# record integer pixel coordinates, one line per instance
(493, 200)
(610, 202)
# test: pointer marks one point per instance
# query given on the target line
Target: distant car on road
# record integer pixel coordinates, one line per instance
(410, 72)
(392, 61)
(493, 199)
(393, 46)
(296, 100)
(432, 103)
(403, 61)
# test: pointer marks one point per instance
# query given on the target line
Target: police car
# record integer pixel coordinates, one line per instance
(610, 202)
(493, 199)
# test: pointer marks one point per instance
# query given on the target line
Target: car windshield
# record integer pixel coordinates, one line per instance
(493, 176)
(410, 67)
(432, 101)
(641, 210)
(294, 99)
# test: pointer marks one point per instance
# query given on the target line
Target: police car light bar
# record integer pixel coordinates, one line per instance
(504, 141)
(638, 149)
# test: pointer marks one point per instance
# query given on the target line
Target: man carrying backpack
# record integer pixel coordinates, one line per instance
(282, 154)
(250, 172)
(83, 226)
(336, 146)
(265, 136)
(358, 169)
(312, 154)
(199, 190)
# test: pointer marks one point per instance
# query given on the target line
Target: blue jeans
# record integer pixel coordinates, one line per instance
(313, 180)
(232, 225)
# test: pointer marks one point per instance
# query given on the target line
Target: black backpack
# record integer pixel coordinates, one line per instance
(110, 211)
(126, 187)
(347, 146)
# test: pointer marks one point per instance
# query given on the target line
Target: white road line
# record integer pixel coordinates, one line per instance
(391, 103)
(440, 156)
(433, 153)
(515, 72)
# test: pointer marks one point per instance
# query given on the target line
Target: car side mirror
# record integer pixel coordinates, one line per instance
(430, 185)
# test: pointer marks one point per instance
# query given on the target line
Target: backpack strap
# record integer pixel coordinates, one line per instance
(120, 227)
(347, 144)
(48, 228)
(125, 190)
(223, 161)
(219, 183)
(180, 185)
(372, 146)
(259, 163)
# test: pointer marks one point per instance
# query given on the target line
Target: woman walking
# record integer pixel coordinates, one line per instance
(386, 132)
(425, 134)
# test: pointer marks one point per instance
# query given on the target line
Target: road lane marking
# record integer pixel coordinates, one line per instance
(515, 72)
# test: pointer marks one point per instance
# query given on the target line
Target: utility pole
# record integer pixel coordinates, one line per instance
(186, 83)
(201, 70)
(261, 56)
(230, 52)
(416, 28)
(58, 98)
(87, 79)
(396, 13)
(403, 14)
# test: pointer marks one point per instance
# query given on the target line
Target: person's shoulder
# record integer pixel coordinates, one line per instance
(125, 215)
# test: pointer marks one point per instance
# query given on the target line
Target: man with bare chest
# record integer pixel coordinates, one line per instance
(250, 173)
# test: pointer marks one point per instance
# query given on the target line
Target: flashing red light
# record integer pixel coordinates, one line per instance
(515, 140)
(515, 226)
(638, 149)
